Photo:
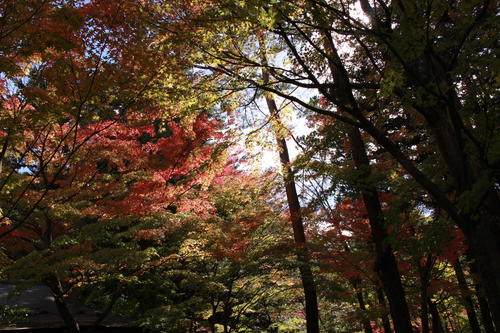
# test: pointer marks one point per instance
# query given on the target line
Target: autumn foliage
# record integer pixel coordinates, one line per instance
(128, 182)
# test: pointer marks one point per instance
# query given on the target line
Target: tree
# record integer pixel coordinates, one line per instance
(309, 286)
(221, 270)
(103, 65)
(91, 137)
(119, 179)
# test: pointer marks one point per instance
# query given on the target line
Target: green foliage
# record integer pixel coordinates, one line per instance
(10, 315)
(116, 181)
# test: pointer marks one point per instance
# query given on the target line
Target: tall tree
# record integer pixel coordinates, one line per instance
(308, 284)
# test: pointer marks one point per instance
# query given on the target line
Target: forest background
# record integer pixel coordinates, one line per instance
(127, 129)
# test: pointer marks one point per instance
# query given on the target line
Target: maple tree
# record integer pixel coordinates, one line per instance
(127, 172)
(92, 136)
(223, 273)
(103, 64)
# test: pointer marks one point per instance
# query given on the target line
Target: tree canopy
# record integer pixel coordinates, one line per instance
(127, 181)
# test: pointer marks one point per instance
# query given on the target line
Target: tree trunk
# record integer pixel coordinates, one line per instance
(485, 313)
(385, 319)
(308, 284)
(71, 324)
(424, 281)
(450, 323)
(480, 227)
(306, 275)
(480, 294)
(484, 245)
(467, 299)
(386, 264)
(359, 296)
(436, 320)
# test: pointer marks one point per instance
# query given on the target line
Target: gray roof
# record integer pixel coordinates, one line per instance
(40, 301)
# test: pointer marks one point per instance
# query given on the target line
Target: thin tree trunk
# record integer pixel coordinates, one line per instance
(448, 319)
(436, 320)
(306, 275)
(424, 281)
(211, 319)
(106, 312)
(385, 319)
(71, 324)
(308, 284)
(483, 303)
(362, 306)
(467, 299)
(366, 322)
